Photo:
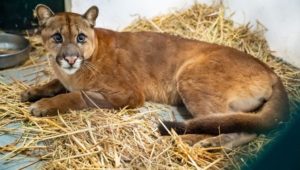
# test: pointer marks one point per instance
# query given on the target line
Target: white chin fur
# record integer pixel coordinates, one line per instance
(70, 71)
(65, 66)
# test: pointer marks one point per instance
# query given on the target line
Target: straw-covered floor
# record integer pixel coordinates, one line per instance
(97, 138)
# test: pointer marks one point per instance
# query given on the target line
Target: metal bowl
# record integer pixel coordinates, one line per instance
(14, 50)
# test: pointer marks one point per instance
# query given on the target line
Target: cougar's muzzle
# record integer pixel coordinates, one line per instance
(69, 58)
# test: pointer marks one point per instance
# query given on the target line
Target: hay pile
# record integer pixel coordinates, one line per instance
(97, 138)
(37, 51)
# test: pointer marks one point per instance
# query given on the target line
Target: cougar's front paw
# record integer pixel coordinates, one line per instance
(42, 108)
(30, 95)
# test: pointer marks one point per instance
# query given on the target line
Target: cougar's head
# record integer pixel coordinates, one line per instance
(68, 36)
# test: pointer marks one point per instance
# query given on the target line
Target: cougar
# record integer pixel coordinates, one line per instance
(226, 91)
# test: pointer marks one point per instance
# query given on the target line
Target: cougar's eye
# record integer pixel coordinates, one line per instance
(57, 38)
(81, 38)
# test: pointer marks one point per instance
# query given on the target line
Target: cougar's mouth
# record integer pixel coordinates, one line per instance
(70, 68)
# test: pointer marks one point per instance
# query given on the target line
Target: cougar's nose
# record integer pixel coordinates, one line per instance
(71, 59)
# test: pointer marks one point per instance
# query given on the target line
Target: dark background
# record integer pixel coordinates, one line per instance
(284, 152)
(17, 15)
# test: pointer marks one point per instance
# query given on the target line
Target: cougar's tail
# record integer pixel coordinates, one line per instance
(275, 110)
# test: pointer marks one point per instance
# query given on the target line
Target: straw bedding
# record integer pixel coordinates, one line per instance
(97, 138)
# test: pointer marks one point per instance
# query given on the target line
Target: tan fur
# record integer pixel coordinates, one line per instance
(218, 85)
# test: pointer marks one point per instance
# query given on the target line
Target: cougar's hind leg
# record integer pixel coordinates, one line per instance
(202, 103)
(201, 92)
(204, 89)
(199, 101)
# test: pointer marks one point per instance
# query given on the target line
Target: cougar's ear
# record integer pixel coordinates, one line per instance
(43, 13)
(91, 15)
